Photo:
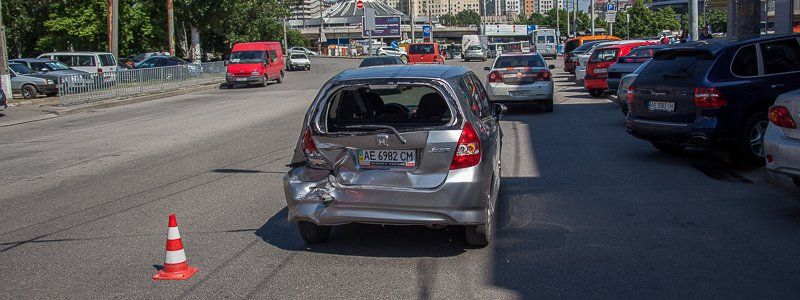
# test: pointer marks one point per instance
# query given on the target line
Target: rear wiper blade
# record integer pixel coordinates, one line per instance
(392, 129)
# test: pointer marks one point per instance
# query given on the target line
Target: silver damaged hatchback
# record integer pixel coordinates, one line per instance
(397, 145)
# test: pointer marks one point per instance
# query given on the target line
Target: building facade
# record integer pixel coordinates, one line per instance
(514, 7)
(529, 7)
(307, 9)
(438, 8)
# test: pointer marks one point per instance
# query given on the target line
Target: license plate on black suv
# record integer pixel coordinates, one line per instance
(661, 106)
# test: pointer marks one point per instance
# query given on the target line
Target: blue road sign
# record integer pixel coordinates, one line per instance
(531, 28)
(426, 30)
(611, 7)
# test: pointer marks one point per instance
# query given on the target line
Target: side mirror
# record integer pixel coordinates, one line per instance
(551, 67)
(487, 68)
(227, 62)
(499, 110)
(44, 70)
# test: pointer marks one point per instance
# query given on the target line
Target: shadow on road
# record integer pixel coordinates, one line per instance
(367, 240)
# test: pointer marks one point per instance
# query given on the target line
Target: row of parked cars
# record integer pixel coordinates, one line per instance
(735, 95)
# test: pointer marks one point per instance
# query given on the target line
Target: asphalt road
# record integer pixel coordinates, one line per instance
(586, 211)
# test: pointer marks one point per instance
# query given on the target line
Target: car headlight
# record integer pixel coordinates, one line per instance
(49, 81)
(255, 73)
(229, 74)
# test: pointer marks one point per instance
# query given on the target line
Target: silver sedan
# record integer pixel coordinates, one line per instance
(521, 78)
(419, 148)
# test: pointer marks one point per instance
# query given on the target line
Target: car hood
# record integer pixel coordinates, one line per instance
(28, 78)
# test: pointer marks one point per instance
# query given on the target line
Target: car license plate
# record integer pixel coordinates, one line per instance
(519, 93)
(387, 158)
(600, 70)
(660, 106)
(241, 79)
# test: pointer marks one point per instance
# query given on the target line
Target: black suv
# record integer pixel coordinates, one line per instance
(713, 93)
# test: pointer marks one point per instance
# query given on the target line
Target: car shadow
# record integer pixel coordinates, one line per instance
(367, 240)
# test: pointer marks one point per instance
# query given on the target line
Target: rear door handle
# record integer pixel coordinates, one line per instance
(777, 86)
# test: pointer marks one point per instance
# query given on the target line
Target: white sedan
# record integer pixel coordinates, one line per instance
(521, 78)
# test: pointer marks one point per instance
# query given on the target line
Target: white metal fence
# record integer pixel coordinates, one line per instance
(78, 89)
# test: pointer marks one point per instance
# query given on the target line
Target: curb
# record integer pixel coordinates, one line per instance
(18, 122)
(119, 102)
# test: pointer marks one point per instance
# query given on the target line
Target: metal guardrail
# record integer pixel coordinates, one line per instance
(86, 88)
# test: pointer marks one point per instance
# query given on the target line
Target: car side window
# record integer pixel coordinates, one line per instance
(483, 97)
(781, 56)
(85, 61)
(273, 55)
(66, 59)
(746, 62)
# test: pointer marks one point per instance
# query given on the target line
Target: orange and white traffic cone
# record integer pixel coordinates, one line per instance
(175, 265)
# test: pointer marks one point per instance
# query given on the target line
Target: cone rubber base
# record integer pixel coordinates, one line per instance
(176, 275)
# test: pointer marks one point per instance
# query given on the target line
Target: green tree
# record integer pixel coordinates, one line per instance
(468, 17)
(297, 39)
(448, 20)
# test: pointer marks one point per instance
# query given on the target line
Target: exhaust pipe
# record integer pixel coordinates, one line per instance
(699, 139)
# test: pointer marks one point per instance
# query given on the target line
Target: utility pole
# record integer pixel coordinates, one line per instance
(591, 11)
(321, 25)
(113, 27)
(693, 32)
(628, 24)
(6, 79)
(567, 20)
(411, 15)
(558, 19)
(170, 27)
(574, 18)
(285, 39)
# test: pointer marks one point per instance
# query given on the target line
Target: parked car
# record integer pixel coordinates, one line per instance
(139, 57)
(582, 59)
(782, 138)
(491, 52)
(389, 51)
(303, 50)
(714, 93)
(575, 46)
(29, 84)
(521, 78)
(3, 100)
(598, 64)
(425, 53)
(255, 63)
(627, 64)
(298, 61)
(56, 70)
(475, 52)
(397, 145)
(102, 63)
(172, 68)
(373, 61)
(620, 96)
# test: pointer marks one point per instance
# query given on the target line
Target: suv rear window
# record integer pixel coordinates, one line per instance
(636, 52)
(781, 56)
(421, 49)
(107, 60)
(679, 68)
(402, 107)
(604, 55)
(516, 61)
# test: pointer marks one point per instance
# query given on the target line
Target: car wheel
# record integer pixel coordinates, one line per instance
(280, 78)
(668, 148)
(313, 233)
(750, 151)
(229, 86)
(479, 235)
(548, 106)
(265, 82)
(596, 93)
(29, 92)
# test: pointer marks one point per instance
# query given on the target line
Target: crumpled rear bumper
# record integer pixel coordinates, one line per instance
(313, 195)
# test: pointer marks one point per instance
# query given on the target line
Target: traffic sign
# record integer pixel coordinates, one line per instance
(360, 4)
(611, 17)
(610, 7)
(426, 30)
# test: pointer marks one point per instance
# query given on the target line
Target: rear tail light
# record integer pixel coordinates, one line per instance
(708, 98)
(629, 94)
(781, 117)
(313, 156)
(543, 75)
(495, 76)
(99, 70)
(468, 150)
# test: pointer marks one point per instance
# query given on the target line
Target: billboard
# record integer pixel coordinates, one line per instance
(385, 26)
(505, 30)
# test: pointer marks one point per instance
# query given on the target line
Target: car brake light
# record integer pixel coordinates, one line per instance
(495, 76)
(708, 98)
(543, 75)
(629, 94)
(468, 149)
(781, 117)
(313, 156)
(99, 70)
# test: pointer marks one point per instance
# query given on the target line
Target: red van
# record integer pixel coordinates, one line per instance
(425, 53)
(255, 63)
(602, 58)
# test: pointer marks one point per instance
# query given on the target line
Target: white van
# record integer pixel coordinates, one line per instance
(92, 62)
(545, 42)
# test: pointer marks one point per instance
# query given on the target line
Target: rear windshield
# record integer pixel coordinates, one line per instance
(571, 45)
(678, 68)
(380, 61)
(586, 46)
(421, 49)
(20, 68)
(546, 39)
(516, 61)
(401, 106)
(646, 52)
(247, 57)
(474, 47)
(107, 60)
(298, 56)
(604, 55)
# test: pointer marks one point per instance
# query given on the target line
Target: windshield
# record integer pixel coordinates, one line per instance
(247, 57)
(604, 55)
(474, 47)
(49, 66)
(570, 46)
(516, 61)
(20, 69)
(546, 39)
(401, 106)
(298, 56)
(380, 61)
(421, 49)
(641, 52)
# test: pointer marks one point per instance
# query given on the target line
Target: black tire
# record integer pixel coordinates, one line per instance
(280, 78)
(479, 235)
(29, 91)
(749, 151)
(548, 106)
(308, 68)
(313, 233)
(596, 93)
(229, 86)
(668, 148)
